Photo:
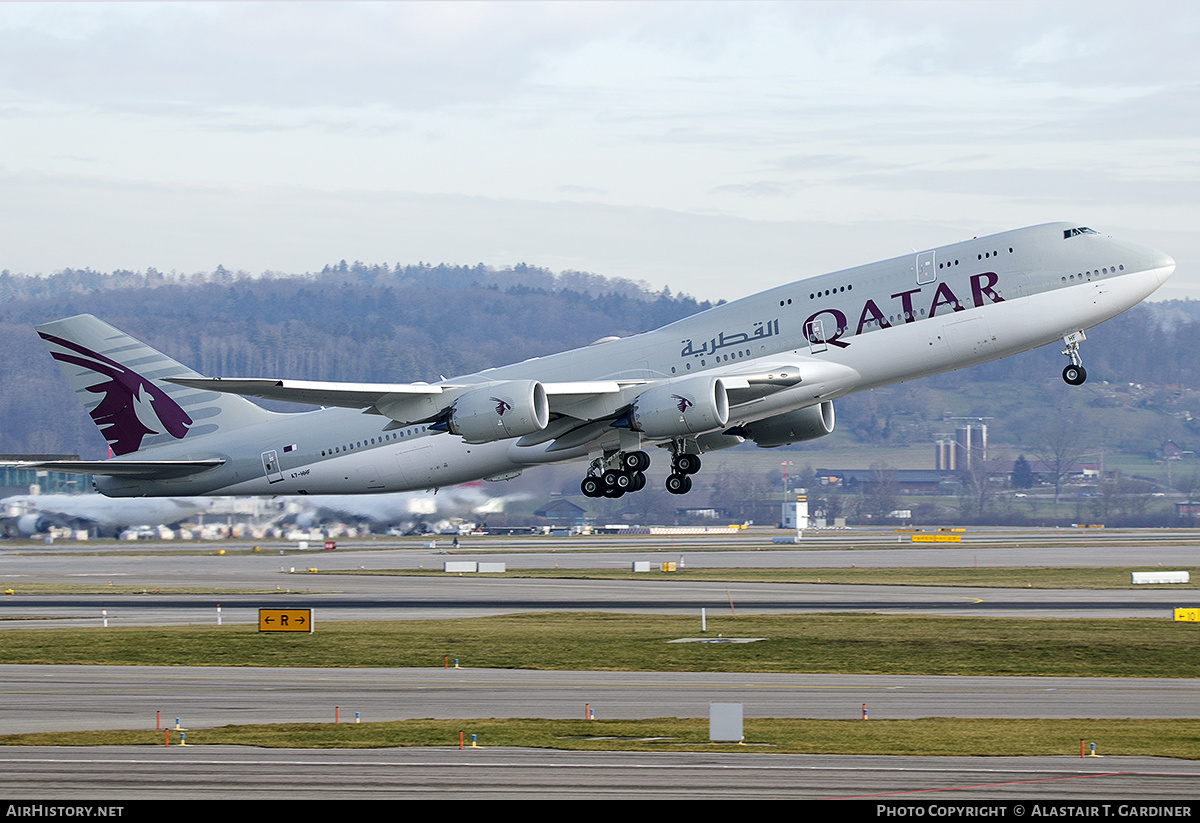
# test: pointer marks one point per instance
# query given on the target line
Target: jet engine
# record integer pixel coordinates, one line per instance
(682, 407)
(31, 524)
(793, 427)
(499, 412)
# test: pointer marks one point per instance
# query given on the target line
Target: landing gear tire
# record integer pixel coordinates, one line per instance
(679, 484)
(635, 461)
(592, 487)
(1074, 375)
(687, 463)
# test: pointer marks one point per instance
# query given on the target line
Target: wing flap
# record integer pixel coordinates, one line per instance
(589, 387)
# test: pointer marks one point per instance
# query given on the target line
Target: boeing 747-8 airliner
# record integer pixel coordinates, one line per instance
(765, 368)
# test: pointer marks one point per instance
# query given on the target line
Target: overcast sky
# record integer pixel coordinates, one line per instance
(717, 148)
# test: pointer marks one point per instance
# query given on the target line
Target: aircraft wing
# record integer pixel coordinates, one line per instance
(403, 402)
(313, 392)
(132, 469)
(577, 412)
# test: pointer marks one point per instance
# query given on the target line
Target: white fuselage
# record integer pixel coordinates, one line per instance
(853, 330)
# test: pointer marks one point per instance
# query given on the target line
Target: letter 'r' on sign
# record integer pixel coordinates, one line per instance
(285, 620)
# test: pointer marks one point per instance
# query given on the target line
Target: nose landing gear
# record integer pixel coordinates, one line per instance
(1075, 373)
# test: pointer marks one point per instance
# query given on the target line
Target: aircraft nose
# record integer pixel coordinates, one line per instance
(1164, 266)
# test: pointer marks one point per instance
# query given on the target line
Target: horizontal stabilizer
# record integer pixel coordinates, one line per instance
(131, 469)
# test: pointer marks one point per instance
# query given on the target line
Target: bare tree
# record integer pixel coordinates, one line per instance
(1189, 486)
(882, 493)
(1058, 445)
(978, 491)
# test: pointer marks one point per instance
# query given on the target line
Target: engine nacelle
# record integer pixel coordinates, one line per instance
(497, 413)
(714, 441)
(31, 524)
(689, 406)
(793, 427)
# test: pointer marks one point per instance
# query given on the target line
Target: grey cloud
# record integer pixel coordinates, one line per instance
(413, 56)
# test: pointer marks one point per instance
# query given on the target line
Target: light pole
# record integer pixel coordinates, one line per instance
(783, 506)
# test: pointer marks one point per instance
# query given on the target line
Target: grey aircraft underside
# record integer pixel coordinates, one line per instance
(765, 368)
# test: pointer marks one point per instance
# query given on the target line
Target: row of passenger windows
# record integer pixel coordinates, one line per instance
(720, 358)
(987, 255)
(1095, 273)
(386, 437)
(826, 293)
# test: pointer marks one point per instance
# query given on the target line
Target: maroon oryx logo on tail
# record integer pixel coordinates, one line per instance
(132, 407)
(684, 404)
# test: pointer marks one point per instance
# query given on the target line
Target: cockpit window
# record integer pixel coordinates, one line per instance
(1075, 232)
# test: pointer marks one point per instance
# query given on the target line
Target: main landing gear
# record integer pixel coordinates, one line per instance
(1075, 373)
(613, 476)
(621, 472)
(683, 466)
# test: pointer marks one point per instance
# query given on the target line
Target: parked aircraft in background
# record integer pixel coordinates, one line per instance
(100, 516)
(764, 368)
(408, 511)
(29, 514)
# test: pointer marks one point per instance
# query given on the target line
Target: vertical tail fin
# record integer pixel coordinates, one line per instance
(120, 382)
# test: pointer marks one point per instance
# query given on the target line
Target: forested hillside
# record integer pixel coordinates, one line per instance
(349, 322)
(403, 323)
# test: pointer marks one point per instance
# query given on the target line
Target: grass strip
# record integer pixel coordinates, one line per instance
(936, 736)
(828, 643)
(1091, 578)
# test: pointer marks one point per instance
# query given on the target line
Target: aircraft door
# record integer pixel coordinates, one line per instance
(815, 332)
(271, 468)
(926, 269)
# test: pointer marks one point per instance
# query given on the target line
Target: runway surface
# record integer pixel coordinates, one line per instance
(37, 698)
(224, 772)
(67, 698)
